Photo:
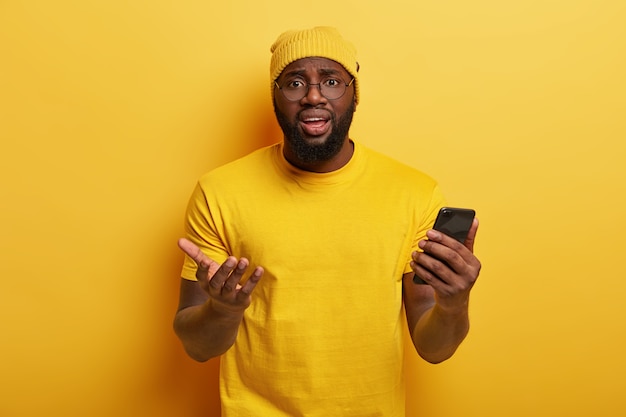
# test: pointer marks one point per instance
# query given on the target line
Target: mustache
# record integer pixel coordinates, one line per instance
(307, 152)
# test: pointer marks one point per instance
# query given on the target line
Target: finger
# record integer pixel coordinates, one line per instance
(471, 236)
(427, 275)
(443, 261)
(443, 239)
(194, 253)
(427, 267)
(250, 285)
(235, 276)
(221, 275)
(206, 266)
(446, 248)
(436, 266)
(456, 269)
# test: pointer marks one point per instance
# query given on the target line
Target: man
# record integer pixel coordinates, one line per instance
(338, 232)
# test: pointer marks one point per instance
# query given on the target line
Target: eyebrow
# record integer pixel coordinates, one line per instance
(301, 72)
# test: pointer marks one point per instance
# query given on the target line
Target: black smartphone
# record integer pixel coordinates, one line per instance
(454, 222)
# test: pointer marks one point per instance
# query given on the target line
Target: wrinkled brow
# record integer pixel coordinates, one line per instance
(302, 72)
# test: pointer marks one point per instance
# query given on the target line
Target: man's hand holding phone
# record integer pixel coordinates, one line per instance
(448, 263)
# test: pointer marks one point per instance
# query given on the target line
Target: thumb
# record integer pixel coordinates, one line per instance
(471, 236)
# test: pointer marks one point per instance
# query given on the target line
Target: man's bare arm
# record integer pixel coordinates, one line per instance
(210, 309)
(437, 313)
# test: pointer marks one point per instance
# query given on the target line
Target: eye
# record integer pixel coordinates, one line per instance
(294, 84)
(332, 83)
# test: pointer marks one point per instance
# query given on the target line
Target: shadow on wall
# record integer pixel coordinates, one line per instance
(192, 388)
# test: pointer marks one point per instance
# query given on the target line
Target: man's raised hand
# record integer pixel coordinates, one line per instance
(223, 282)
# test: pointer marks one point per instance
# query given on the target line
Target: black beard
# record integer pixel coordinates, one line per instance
(308, 153)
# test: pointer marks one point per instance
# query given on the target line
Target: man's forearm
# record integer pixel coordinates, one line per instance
(205, 332)
(438, 334)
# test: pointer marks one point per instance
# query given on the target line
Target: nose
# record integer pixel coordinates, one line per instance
(314, 95)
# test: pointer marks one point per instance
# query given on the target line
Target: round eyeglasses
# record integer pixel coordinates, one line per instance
(331, 88)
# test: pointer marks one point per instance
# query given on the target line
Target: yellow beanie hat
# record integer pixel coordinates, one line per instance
(321, 41)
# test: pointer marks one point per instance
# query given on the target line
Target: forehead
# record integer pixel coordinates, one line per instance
(314, 65)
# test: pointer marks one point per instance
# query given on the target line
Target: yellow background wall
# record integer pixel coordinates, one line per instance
(110, 110)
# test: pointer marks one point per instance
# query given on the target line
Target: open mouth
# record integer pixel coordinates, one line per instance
(315, 125)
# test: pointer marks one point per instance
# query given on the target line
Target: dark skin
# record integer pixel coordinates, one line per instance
(211, 309)
(437, 313)
(314, 106)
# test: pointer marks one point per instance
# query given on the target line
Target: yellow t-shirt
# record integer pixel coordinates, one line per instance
(323, 335)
